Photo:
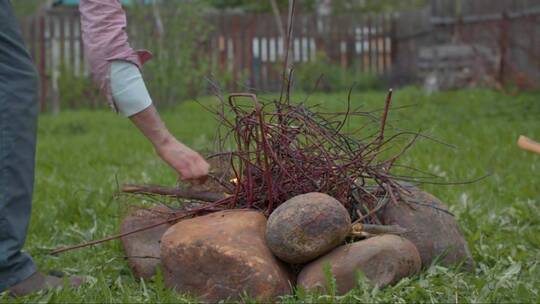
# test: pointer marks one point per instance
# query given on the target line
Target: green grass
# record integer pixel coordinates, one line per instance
(83, 155)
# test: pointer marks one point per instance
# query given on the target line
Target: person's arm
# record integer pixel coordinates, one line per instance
(132, 100)
(116, 70)
(188, 163)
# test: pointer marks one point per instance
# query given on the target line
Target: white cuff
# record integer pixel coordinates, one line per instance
(128, 89)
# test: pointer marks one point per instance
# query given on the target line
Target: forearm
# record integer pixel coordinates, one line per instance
(188, 163)
(132, 100)
(150, 124)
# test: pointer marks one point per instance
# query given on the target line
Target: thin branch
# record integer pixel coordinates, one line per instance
(174, 192)
(385, 114)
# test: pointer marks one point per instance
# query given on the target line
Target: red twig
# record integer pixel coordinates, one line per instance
(174, 217)
(175, 192)
(385, 114)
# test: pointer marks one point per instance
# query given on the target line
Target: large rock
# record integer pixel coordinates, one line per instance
(142, 248)
(383, 260)
(434, 231)
(307, 226)
(223, 256)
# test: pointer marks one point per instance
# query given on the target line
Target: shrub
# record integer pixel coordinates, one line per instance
(75, 90)
(180, 62)
(332, 77)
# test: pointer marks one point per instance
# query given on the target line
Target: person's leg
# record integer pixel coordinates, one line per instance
(18, 120)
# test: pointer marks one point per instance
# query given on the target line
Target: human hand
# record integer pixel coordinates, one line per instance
(190, 165)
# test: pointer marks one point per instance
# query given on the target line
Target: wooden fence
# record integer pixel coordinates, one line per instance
(249, 47)
(55, 44)
(254, 45)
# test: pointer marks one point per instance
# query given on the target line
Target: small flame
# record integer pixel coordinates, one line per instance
(234, 181)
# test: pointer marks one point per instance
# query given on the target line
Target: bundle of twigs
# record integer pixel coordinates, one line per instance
(283, 149)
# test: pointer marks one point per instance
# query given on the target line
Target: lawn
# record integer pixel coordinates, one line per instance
(84, 155)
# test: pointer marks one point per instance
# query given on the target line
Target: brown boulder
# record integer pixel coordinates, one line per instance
(307, 226)
(383, 260)
(142, 248)
(223, 256)
(431, 228)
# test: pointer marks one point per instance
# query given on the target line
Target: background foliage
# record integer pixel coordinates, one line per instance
(258, 6)
(26, 7)
(330, 77)
(367, 6)
(179, 67)
(337, 6)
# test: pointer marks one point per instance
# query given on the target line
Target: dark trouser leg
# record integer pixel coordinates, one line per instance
(18, 120)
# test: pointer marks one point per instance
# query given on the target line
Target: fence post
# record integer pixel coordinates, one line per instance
(233, 51)
(249, 51)
(361, 41)
(393, 41)
(222, 45)
(369, 46)
(503, 46)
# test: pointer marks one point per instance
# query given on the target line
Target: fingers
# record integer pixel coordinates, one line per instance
(196, 171)
(190, 165)
(199, 181)
(202, 171)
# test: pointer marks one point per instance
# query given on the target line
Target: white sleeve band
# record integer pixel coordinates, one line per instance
(128, 89)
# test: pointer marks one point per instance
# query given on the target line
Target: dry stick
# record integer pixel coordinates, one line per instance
(378, 142)
(381, 229)
(292, 7)
(114, 237)
(385, 113)
(277, 16)
(121, 235)
(176, 192)
(140, 257)
(359, 228)
(382, 203)
(421, 203)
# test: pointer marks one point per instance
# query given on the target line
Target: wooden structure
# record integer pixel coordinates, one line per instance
(240, 44)
(250, 48)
